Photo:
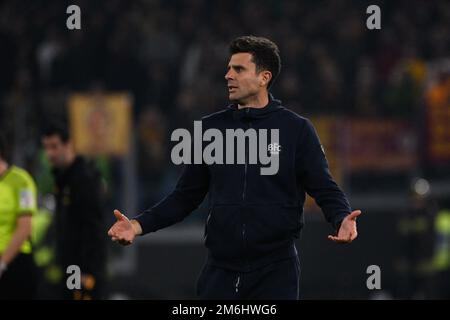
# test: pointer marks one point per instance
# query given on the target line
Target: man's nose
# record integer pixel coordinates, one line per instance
(229, 75)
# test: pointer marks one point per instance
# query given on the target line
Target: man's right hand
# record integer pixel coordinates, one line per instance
(124, 231)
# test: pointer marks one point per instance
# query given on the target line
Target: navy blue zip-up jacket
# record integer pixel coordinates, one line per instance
(254, 219)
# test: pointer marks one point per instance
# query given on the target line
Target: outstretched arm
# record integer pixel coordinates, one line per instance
(314, 175)
(191, 189)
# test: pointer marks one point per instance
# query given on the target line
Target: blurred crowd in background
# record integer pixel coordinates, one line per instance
(171, 56)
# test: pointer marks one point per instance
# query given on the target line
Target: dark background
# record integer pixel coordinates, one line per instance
(378, 90)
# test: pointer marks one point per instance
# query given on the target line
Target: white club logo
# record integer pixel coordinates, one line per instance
(274, 148)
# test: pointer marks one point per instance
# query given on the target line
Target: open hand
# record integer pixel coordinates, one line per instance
(347, 232)
(122, 231)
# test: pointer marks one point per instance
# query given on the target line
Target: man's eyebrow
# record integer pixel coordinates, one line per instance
(235, 66)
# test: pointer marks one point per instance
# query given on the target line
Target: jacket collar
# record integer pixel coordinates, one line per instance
(249, 114)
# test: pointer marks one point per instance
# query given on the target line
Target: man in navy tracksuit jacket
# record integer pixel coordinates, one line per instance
(253, 219)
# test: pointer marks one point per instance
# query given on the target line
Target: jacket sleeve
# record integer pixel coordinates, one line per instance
(314, 175)
(191, 189)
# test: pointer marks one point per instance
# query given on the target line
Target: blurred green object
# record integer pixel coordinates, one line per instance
(103, 164)
(43, 253)
(441, 258)
(442, 222)
(53, 274)
(40, 224)
(43, 175)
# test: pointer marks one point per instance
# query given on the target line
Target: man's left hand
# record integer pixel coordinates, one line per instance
(347, 232)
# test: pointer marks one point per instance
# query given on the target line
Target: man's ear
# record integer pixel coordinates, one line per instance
(266, 76)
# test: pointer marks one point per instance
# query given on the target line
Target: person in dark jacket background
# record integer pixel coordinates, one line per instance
(254, 218)
(79, 219)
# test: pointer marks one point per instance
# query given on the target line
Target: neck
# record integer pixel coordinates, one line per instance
(3, 167)
(260, 100)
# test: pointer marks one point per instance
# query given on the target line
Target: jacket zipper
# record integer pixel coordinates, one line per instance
(243, 197)
(238, 281)
(246, 164)
(206, 225)
(245, 178)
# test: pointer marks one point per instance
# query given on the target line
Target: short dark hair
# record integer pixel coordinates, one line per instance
(266, 54)
(57, 128)
(4, 152)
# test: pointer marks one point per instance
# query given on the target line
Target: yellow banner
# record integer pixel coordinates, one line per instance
(100, 123)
